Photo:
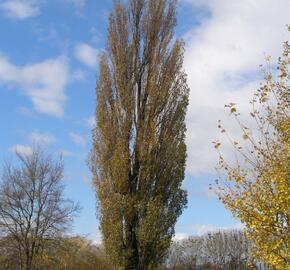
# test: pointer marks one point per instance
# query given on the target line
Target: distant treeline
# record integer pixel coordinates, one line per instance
(223, 250)
(67, 253)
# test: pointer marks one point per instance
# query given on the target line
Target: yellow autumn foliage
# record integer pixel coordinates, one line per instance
(257, 188)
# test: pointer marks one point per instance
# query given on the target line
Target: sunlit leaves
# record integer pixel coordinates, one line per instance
(257, 187)
(139, 149)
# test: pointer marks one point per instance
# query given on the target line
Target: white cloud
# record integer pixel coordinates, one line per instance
(41, 138)
(77, 139)
(86, 54)
(91, 122)
(180, 236)
(19, 9)
(201, 229)
(96, 238)
(21, 149)
(44, 82)
(222, 59)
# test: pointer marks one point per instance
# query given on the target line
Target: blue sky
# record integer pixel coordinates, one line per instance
(48, 68)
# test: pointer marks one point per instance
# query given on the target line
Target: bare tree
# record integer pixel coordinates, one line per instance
(185, 254)
(33, 209)
(225, 250)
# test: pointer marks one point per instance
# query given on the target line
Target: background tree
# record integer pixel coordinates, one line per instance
(62, 253)
(185, 254)
(10, 257)
(33, 210)
(78, 253)
(139, 151)
(221, 250)
(74, 253)
(257, 186)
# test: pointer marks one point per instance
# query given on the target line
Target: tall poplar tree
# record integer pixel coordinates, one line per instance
(139, 150)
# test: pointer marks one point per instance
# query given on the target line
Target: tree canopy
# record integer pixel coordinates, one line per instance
(257, 186)
(139, 153)
(33, 209)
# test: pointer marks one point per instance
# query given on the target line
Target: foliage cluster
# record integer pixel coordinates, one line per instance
(256, 189)
(64, 253)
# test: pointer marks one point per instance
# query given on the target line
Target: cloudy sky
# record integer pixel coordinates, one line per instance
(48, 67)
